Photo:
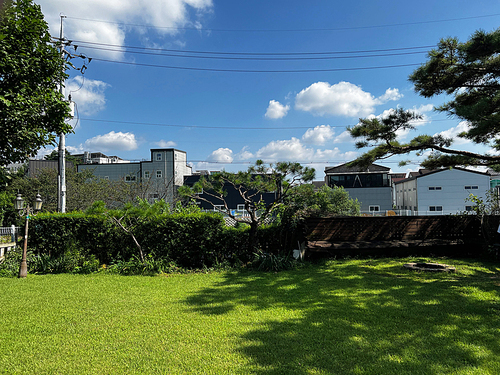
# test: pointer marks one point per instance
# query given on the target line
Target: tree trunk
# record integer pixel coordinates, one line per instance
(252, 237)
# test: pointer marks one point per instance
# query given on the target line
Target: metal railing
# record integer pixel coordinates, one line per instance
(11, 231)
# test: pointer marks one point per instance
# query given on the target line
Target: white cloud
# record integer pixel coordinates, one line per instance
(244, 154)
(424, 108)
(454, 131)
(276, 110)
(112, 141)
(341, 99)
(319, 135)
(165, 144)
(221, 155)
(164, 16)
(344, 137)
(88, 94)
(390, 95)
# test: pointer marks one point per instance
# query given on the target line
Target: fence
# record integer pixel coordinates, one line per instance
(5, 244)
(332, 234)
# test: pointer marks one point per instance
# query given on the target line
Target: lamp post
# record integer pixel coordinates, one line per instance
(19, 206)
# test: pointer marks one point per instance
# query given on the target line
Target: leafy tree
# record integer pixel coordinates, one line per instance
(304, 201)
(82, 189)
(251, 186)
(32, 110)
(54, 155)
(470, 72)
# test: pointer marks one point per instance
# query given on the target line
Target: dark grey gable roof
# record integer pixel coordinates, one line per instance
(343, 168)
(440, 170)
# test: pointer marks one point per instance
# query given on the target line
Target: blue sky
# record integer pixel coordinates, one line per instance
(270, 80)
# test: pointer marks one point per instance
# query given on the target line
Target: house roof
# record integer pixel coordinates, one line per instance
(343, 168)
(426, 172)
(421, 172)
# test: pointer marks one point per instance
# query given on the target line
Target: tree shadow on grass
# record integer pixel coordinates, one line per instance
(352, 318)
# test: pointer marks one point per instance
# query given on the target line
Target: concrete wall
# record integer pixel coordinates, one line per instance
(377, 196)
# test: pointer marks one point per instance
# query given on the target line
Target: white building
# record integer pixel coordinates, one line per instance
(160, 177)
(440, 192)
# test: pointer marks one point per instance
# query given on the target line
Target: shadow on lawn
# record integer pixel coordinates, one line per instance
(354, 318)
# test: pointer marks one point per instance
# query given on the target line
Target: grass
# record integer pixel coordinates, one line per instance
(340, 317)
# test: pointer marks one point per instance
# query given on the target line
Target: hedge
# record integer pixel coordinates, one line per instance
(192, 240)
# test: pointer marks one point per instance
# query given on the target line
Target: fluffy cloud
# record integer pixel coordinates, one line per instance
(341, 99)
(343, 137)
(221, 155)
(165, 144)
(319, 135)
(112, 141)
(88, 94)
(276, 110)
(455, 131)
(164, 16)
(244, 154)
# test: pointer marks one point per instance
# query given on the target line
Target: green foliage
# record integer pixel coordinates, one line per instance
(9, 266)
(305, 201)
(32, 110)
(251, 185)
(273, 263)
(470, 72)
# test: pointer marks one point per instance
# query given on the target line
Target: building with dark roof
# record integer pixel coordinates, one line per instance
(371, 186)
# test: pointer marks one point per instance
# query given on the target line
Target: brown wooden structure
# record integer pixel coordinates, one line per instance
(355, 235)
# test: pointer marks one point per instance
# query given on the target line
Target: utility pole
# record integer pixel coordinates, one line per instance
(61, 180)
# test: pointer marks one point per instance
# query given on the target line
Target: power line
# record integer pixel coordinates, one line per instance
(290, 30)
(120, 49)
(255, 71)
(226, 127)
(254, 53)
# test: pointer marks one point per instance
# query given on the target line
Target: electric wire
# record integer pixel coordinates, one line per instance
(289, 30)
(230, 127)
(255, 58)
(220, 70)
(253, 53)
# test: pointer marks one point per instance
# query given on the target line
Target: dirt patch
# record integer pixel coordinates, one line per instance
(429, 267)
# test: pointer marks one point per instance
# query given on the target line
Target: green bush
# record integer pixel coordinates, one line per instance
(78, 242)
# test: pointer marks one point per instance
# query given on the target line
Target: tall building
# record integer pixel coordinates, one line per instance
(159, 177)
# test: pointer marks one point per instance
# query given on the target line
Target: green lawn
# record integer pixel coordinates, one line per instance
(341, 317)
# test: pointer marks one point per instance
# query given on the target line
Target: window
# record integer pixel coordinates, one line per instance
(434, 187)
(158, 174)
(435, 208)
(158, 157)
(106, 177)
(219, 207)
(240, 207)
(468, 208)
(471, 187)
(374, 208)
(146, 174)
(129, 178)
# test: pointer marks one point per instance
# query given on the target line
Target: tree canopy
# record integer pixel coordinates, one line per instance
(32, 110)
(251, 186)
(468, 71)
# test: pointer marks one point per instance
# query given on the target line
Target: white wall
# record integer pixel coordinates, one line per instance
(453, 193)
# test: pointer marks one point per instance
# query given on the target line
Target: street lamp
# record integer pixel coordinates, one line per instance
(19, 206)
